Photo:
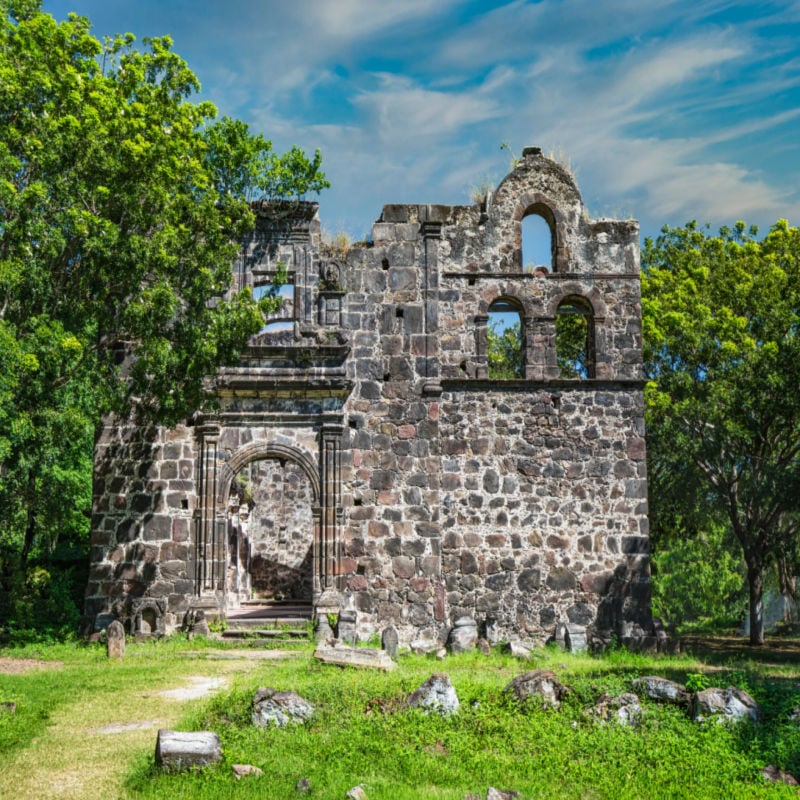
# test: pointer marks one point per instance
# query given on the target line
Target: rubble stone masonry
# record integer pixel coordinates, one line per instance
(393, 471)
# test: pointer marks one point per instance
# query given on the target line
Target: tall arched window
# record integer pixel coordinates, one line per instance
(505, 350)
(538, 239)
(575, 338)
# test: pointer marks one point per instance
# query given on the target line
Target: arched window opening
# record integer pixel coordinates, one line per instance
(537, 240)
(575, 339)
(504, 340)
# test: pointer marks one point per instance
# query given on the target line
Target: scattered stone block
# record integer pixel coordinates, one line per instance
(540, 686)
(177, 751)
(279, 709)
(244, 770)
(518, 650)
(662, 689)
(436, 694)
(303, 786)
(8, 708)
(421, 647)
(363, 657)
(390, 641)
(357, 793)
(624, 709)
(773, 774)
(499, 794)
(729, 704)
(484, 646)
(575, 638)
(463, 636)
(115, 640)
(347, 626)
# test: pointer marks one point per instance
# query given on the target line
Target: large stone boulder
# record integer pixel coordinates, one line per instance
(279, 709)
(729, 704)
(177, 751)
(436, 694)
(662, 690)
(541, 686)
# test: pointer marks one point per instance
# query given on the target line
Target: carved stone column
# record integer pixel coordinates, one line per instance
(431, 234)
(209, 530)
(481, 358)
(330, 504)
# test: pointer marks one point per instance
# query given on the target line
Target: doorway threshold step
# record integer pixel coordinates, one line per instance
(265, 633)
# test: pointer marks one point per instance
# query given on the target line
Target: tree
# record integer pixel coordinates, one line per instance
(122, 205)
(721, 319)
(504, 351)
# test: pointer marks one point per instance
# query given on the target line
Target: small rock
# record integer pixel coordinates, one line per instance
(624, 709)
(357, 793)
(242, 770)
(666, 691)
(115, 640)
(436, 694)
(725, 704)
(303, 786)
(541, 685)
(8, 708)
(773, 774)
(498, 794)
(484, 646)
(271, 707)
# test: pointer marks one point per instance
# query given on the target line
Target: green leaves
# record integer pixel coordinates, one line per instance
(721, 316)
(122, 208)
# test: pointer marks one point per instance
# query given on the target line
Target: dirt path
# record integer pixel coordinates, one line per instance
(86, 750)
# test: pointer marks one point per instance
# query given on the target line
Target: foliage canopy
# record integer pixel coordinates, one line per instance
(721, 319)
(122, 205)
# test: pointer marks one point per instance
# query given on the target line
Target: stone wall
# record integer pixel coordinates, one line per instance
(431, 490)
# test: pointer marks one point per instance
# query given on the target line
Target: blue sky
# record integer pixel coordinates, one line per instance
(666, 111)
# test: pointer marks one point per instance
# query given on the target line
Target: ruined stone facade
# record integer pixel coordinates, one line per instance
(361, 449)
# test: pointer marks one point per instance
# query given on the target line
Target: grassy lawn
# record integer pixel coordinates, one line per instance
(87, 728)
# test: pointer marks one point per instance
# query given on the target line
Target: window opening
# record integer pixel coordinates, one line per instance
(504, 340)
(575, 339)
(282, 318)
(537, 242)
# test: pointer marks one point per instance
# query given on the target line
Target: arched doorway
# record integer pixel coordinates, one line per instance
(270, 534)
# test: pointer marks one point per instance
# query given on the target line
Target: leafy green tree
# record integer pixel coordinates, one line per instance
(504, 351)
(698, 578)
(721, 319)
(122, 205)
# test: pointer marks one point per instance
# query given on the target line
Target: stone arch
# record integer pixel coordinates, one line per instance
(271, 543)
(576, 290)
(256, 451)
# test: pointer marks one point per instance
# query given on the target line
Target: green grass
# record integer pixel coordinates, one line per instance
(399, 753)
(363, 734)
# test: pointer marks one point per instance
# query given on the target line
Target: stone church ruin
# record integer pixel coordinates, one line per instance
(364, 460)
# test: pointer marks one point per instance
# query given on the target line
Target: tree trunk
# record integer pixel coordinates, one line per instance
(30, 524)
(755, 577)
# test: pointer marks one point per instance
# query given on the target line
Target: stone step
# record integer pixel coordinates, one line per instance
(248, 623)
(265, 633)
